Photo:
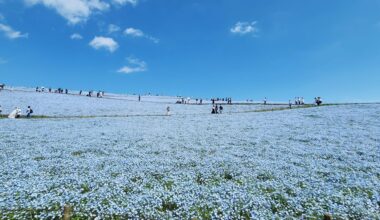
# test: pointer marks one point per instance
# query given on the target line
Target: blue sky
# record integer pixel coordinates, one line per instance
(240, 48)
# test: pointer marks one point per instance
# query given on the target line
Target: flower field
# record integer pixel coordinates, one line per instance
(299, 163)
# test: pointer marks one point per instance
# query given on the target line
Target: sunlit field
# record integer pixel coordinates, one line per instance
(115, 157)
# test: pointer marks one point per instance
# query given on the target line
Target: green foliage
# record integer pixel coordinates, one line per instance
(85, 188)
(39, 158)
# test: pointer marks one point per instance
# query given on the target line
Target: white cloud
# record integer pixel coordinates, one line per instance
(123, 2)
(155, 40)
(104, 43)
(10, 33)
(76, 36)
(133, 32)
(74, 11)
(134, 66)
(243, 28)
(113, 28)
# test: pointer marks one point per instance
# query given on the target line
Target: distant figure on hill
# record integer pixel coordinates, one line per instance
(290, 103)
(318, 101)
(265, 100)
(168, 111)
(213, 110)
(80, 92)
(29, 111)
(139, 98)
(200, 101)
(229, 101)
(220, 109)
(16, 113)
(216, 109)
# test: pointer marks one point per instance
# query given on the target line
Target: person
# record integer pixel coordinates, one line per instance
(265, 100)
(1, 110)
(290, 103)
(216, 109)
(319, 101)
(220, 109)
(16, 113)
(80, 92)
(200, 101)
(29, 111)
(139, 98)
(168, 111)
(213, 109)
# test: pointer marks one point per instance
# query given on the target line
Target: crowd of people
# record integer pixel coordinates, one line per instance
(299, 101)
(228, 100)
(91, 93)
(17, 112)
(217, 109)
(318, 101)
(182, 100)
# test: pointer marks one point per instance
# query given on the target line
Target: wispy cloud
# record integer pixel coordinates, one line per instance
(74, 11)
(104, 43)
(134, 66)
(3, 61)
(113, 28)
(10, 33)
(243, 28)
(133, 32)
(76, 36)
(123, 2)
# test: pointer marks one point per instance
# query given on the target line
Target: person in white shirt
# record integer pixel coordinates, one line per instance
(16, 113)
